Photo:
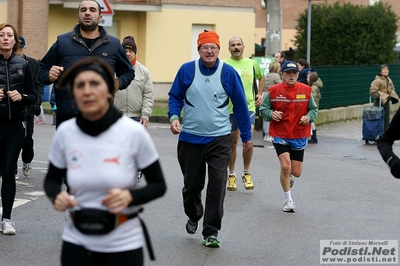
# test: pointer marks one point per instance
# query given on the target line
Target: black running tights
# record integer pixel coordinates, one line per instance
(11, 139)
(74, 255)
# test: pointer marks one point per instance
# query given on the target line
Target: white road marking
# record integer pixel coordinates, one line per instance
(19, 202)
(35, 193)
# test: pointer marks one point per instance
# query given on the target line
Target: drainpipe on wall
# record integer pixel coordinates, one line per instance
(20, 17)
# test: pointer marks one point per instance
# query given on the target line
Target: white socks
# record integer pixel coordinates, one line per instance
(288, 196)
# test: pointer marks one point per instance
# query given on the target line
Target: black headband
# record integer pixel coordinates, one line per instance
(109, 80)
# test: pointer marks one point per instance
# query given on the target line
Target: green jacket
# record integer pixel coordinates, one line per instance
(316, 90)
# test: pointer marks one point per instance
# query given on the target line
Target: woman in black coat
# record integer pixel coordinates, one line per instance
(16, 92)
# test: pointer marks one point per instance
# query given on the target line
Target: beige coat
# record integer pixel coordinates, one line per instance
(385, 88)
(137, 100)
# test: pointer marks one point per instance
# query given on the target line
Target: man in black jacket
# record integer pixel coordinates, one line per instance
(280, 57)
(31, 111)
(86, 39)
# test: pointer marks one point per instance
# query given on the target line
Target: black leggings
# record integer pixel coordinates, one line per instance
(74, 255)
(11, 139)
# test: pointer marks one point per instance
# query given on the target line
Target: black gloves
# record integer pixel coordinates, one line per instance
(394, 164)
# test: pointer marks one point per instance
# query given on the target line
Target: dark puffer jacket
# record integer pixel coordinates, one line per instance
(15, 74)
(70, 48)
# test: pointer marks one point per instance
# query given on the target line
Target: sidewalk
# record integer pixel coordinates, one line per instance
(349, 129)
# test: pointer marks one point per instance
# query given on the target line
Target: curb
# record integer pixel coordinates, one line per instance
(325, 116)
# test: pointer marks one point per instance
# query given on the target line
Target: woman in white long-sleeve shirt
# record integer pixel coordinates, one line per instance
(100, 151)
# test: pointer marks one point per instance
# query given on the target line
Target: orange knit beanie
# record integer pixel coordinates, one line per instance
(207, 36)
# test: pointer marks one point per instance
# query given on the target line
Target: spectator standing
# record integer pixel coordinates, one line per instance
(304, 69)
(382, 89)
(137, 100)
(17, 91)
(316, 85)
(280, 57)
(273, 77)
(249, 72)
(86, 39)
(27, 148)
(203, 88)
(290, 108)
(103, 226)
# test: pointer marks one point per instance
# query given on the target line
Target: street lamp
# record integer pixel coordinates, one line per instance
(309, 32)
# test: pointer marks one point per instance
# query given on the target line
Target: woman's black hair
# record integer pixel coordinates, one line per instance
(304, 63)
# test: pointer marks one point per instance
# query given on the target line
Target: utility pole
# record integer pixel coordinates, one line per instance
(309, 32)
(273, 40)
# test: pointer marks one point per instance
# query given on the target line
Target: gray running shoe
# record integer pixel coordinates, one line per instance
(289, 206)
(191, 227)
(291, 180)
(26, 169)
(139, 176)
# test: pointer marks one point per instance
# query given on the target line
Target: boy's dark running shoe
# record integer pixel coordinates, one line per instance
(191, 227)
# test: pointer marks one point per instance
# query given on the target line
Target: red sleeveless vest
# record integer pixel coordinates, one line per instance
(292, 101)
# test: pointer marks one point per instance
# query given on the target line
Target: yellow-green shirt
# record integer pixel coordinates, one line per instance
(245, 67)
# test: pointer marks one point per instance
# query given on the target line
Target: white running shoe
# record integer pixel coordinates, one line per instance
(289, 206)
(267, 138)
(7, 227)
(26, 169)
